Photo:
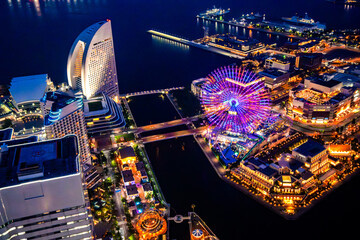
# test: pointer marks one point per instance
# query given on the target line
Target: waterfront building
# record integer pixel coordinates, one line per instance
(308, 61)
(127, 155)
(27, 92)
(196, 87)
(32, 205)
(257, 173)
(314, 155)
(274, 78)
(103, 115)
(64, 115)
(319, 101)
(278, 63)
(290, 177)
(91, 66)
(234, 44)
(340, 150)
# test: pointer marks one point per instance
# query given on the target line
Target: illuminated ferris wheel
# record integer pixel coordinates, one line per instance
(235, 99)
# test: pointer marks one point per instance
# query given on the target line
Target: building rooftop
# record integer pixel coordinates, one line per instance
(127, 176)
(58, 101)
(29, 88)
(140, 166)
(147, 187)
(306, 175)
(131, 190)
(18, 141)
(272, 73)
(320, 81)
(310, 148)
(6, 134)
(127, 152)
(39, 160)
(268, 171)
(310, 55)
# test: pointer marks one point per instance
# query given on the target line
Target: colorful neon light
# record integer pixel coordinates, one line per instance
(234, 99)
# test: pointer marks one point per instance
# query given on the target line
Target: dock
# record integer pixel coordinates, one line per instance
(251, 28)
(194, 44)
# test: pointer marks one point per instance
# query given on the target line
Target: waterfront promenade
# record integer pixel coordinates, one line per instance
(194, 44)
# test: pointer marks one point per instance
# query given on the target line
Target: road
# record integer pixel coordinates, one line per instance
(162, 125)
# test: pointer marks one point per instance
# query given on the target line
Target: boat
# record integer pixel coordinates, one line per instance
(215, 12)
(306, 21)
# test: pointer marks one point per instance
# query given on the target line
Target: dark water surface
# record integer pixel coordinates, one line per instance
(36, 36)
(186, 177)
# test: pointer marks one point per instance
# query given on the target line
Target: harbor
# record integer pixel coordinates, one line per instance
(194, 44)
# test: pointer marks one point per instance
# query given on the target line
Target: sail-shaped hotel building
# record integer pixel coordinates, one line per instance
(91, 65)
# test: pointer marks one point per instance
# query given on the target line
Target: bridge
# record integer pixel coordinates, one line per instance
(168, 124)
(182, 133)
(147, 92)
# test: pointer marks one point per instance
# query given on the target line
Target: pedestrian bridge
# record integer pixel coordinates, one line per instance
(147, 92)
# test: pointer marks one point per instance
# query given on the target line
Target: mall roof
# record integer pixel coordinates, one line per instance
(272, 73)
(39, 161)
(310, 149)
(320, 81)
(28, 88)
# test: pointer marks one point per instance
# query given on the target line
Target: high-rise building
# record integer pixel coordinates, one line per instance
(41, 191)
(64, 115)
(91, 65)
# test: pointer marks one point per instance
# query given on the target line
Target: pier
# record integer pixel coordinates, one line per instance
(251, 28)
(194, 44)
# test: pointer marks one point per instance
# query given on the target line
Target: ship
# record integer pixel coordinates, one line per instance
(214, 12)
(305, 21)
(346, 2)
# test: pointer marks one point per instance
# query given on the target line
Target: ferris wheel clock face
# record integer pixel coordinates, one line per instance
(235, 99)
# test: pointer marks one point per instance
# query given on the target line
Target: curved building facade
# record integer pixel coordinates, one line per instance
(91, 65)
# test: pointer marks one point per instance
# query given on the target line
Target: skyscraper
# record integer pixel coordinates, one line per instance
(41, 191)
(91, 65)
(64, 115)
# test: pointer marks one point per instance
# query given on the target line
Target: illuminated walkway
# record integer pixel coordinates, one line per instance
(165, 136)
(163, 125)
(195, 44)
(147, 92)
